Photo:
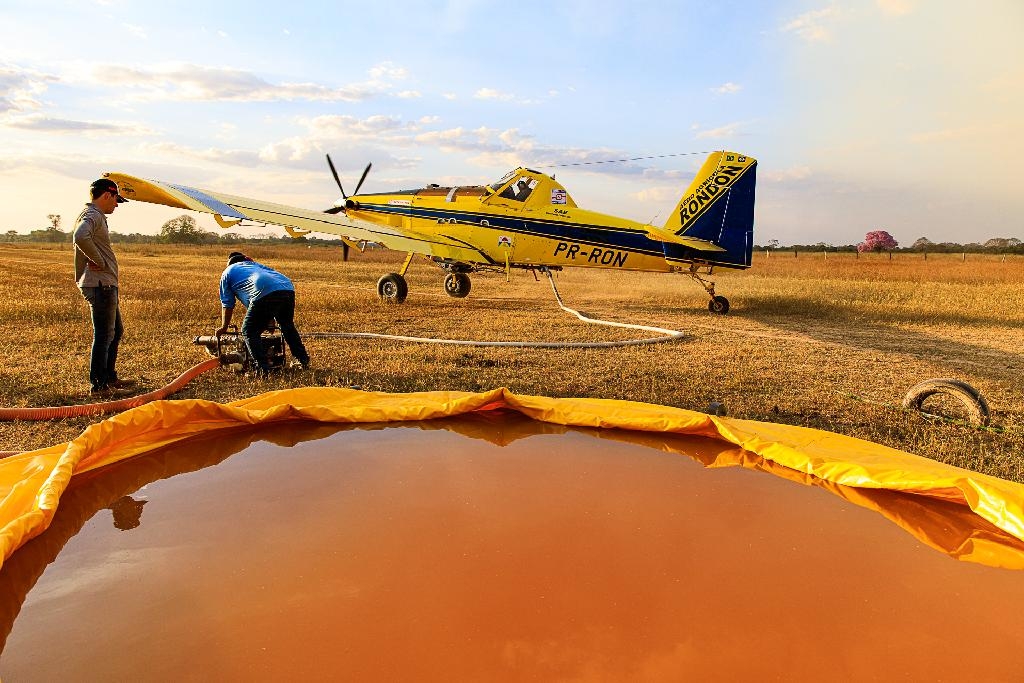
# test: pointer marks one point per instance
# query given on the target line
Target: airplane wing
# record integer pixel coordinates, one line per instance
(230, 210)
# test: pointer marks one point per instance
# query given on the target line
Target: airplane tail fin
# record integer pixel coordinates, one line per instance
(718, 207)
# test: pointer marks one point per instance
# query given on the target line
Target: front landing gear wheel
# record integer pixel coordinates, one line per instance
(392, 288)
(719, 305)
(457, 285)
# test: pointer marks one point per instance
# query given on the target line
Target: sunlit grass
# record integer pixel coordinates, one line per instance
(832, 344)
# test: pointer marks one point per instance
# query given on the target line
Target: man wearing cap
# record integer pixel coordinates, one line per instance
(267, 295)
(96, 276)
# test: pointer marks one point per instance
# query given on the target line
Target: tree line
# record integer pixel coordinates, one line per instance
(996, 245)
(180, 230)
(185, 230)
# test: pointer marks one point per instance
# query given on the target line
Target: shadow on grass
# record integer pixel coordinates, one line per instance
(810, 307)
(850, 328)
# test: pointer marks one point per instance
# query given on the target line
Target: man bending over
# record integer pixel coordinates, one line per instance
(267, 295)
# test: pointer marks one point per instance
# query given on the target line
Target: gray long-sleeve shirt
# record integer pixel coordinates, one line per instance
(92, 244)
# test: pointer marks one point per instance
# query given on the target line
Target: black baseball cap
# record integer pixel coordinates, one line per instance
(236, 256)
(102, 185)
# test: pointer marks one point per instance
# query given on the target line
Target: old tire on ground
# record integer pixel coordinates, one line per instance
(971, 398)
(392, 288)
(457, 285)
(719, 305)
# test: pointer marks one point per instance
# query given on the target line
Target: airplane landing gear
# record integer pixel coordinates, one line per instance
(719, 305)
(392, 288)
(457, 285)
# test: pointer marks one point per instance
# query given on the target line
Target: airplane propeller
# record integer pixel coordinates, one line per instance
(362, 178)
(334, 172)
(338, 209)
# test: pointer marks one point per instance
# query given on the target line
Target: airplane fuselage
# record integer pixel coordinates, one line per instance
(508, 232)
(521, 236)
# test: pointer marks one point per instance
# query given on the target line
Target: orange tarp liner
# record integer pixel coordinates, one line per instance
(31, 483)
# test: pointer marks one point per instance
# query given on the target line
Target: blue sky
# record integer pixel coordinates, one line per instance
(901, 115)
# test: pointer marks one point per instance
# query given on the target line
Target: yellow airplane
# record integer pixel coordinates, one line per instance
(525, 220)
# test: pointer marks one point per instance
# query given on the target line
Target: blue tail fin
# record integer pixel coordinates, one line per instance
(718, 207)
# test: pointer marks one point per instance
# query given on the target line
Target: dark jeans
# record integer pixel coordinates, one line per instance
(106, 333)
(280, 306)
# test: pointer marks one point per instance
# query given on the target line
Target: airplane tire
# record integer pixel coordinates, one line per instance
(457, 285)
(972, 400)
(392, 288)
(719, 305)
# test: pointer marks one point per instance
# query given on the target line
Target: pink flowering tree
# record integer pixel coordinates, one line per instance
(878, 241)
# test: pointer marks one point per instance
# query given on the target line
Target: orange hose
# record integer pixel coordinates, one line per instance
(108, 406)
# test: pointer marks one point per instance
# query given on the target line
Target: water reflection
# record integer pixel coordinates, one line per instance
(946, 526)
(111, 488)
(127, 512)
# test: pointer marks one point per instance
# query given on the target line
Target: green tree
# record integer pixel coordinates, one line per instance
(183, 230)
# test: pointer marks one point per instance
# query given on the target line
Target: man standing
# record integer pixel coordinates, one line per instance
(267, 295)
(96, 277)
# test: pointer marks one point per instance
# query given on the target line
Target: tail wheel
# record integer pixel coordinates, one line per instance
(392, 288)
(457, 285)
(719, 305)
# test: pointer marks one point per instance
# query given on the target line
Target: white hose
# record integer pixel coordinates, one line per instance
(667, 335)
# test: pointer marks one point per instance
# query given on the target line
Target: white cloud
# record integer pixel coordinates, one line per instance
(657, 194)
(237, 157)
(19, 89)
(386, 70)
(787, 174)
(449, 96)
(341, 126)
(191, 82)
(727, 131)
(812, 26)
(50, 124)
(728, 88)
(492, 94)
(409, 94)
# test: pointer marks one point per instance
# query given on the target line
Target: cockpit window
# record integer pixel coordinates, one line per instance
(520, 189)
(504, 179)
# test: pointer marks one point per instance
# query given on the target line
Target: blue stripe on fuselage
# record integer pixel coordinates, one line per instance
(623, 238)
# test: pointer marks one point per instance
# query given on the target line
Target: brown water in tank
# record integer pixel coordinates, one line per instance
(489, 548)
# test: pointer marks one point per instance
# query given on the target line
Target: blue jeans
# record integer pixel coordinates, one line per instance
(280, 306)
(106, 333)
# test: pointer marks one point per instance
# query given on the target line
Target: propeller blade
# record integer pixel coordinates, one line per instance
(334, 209)
(360, 183)
(336, 178)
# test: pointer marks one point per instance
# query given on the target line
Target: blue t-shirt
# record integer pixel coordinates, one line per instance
(249, 280)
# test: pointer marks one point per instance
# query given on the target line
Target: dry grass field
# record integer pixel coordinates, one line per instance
(827, 343)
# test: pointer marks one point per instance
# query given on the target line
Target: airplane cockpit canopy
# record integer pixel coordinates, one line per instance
(523, 184)
(504, 179)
